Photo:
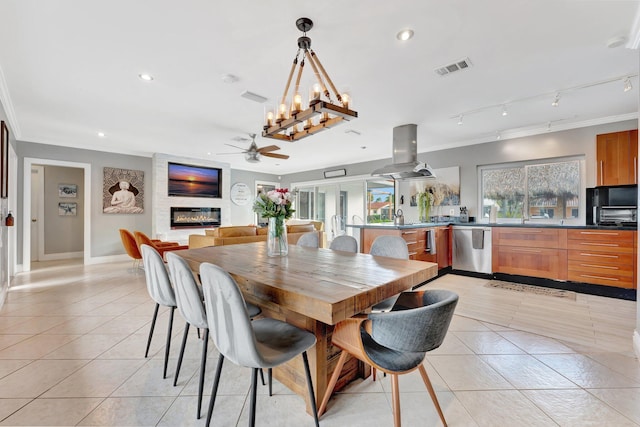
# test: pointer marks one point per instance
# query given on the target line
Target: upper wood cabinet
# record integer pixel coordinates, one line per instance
(617, 158)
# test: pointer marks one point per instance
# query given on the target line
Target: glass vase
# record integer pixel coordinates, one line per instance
(277, 237)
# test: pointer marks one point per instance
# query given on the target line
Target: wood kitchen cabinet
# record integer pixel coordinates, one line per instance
(535, 252)
(417, 240)
(617, 158)
(602, 257)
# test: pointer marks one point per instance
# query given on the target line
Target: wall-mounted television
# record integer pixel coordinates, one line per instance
(194, 181)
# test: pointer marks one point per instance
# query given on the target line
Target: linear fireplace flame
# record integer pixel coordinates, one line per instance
(195, 217)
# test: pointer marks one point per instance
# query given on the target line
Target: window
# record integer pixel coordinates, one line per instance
(380, 200)
(548, 190)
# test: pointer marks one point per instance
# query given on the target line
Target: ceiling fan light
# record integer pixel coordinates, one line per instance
(252, 157)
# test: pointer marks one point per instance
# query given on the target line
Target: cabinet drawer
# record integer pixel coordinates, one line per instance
(528, 261)
(600, 269)
(602, 235)
(602, 257)
(611, 246)
(601, 279)
(529, 237)
(411, 235)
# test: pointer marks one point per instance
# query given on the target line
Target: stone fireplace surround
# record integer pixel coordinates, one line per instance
(161, 204)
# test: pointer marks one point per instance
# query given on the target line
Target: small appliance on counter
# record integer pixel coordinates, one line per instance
(399, 218)
(464, 214)
(614, 205)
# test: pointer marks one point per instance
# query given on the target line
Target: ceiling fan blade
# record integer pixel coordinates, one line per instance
(268, 148)
(235, 146)
(274, 155)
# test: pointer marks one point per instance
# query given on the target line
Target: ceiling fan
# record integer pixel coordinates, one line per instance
(253, 154)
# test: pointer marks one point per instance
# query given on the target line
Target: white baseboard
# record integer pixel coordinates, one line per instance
(109, 258)
(61, 255)
(93, 260)
(636, 343)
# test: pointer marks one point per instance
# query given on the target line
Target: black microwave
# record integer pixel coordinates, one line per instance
(602, 197)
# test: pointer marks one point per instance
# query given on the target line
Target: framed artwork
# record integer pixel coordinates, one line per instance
(67, 209)
(123, 191)
(4, 160)
(67, 190)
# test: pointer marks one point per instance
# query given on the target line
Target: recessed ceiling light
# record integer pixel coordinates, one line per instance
(404, 35)
(230, 78)
(101, 134)
(146, 77)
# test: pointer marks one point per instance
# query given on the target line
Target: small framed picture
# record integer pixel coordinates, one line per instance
(67, 190)
(67, 209)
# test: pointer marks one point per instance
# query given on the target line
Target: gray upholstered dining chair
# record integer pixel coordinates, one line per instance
(257, 344)
(160, 290)
(309, 240)
(397, 341)
(393, 247)
(191, 307)
(344, 243)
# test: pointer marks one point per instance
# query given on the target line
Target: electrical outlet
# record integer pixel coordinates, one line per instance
(452, 212)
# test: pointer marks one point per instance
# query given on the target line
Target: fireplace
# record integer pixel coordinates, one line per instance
(195, 217)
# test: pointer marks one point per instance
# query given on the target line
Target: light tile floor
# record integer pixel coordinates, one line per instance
(72, 341)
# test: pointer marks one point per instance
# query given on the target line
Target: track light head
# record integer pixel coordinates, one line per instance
(460, 120)
(556, 101)
(504, 110)
(627, 85)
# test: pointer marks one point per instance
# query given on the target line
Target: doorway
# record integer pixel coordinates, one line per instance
(31, 164)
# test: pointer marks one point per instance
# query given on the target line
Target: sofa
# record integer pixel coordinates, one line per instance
(233, 235)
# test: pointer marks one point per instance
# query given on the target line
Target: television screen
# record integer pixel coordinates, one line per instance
(194, 181)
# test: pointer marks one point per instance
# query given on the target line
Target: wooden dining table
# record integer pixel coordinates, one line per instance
(313, 289)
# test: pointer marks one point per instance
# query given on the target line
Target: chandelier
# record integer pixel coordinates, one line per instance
(294, 119)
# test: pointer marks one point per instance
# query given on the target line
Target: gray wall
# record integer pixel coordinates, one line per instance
(553, 144)
(63, 234)
(105, 239)
(244, 215)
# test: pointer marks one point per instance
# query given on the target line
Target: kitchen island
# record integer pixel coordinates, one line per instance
(430, 241)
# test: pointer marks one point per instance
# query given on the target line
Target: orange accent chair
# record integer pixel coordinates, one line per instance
(131, 247)
(159, 246)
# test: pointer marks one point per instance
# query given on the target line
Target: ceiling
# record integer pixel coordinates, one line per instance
(70, 70)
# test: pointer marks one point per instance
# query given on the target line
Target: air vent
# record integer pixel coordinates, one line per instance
(253, 96)
(452, 68)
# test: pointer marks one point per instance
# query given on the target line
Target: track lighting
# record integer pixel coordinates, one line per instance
(504, 110)
(556, 101)
(460, 120)
(627, 85)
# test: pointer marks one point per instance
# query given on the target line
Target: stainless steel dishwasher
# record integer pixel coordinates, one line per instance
(472, 249)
